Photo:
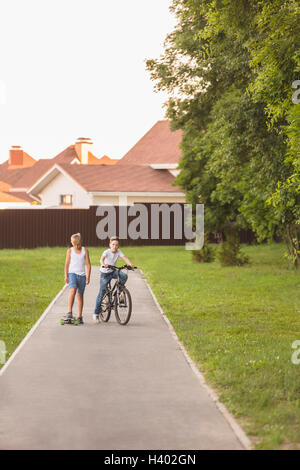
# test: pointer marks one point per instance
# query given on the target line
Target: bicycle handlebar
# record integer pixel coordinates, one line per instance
(126, 266)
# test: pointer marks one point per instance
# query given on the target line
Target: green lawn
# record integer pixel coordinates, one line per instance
(29, 279)
(238, 324)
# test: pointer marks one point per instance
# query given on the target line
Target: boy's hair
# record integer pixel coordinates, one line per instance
(114, 239)
(77, 238)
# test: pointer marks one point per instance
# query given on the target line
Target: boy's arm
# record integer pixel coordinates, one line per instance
(68, 257)
(102, 262)
(88, 265)
(127, 261)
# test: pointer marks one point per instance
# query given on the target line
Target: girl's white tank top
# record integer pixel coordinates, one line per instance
(77, 263)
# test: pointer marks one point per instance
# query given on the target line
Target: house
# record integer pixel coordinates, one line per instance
(68, 185)
(75, 178)
(21, 171)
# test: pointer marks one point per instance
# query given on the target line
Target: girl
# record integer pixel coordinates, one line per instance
(76, 260)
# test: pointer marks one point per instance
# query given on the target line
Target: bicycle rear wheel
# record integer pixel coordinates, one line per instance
(123, 308)
(105, 308)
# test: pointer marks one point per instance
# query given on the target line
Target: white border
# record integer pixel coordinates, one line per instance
(30, 333)
(240, 434)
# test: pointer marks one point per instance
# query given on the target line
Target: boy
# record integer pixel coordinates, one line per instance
(76, 260)
(109, 257)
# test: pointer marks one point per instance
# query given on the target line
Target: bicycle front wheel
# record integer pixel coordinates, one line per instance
(123, 306)
(105, 308)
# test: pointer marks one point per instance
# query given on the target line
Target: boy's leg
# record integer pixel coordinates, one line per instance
(80, 307)
(72, 292)
(80, 304)
(81, 283)
(123, 278)
(71, 299)
(104, 280)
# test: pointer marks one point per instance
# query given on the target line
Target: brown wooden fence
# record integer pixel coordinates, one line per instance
(31, 228)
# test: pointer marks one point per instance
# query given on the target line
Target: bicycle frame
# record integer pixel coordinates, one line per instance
(115, 290)
(114, 302)
(112, 291)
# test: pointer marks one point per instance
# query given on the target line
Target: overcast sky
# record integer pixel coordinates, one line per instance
(71, 68)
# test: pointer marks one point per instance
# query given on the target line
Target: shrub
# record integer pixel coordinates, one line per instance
(207, 254)
(229, 252)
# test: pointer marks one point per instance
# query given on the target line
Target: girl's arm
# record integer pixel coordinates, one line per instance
(68, 258)
(88, 265)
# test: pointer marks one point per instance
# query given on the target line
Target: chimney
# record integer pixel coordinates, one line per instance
(16, 156)
(82, 148)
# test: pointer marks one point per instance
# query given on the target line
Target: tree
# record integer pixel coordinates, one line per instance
(233, 154)
(275, 55)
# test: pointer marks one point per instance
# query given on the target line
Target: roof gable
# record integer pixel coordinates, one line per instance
(48, 176)
(129, 178)
(116, 178)
(158, 145)
(66, 156)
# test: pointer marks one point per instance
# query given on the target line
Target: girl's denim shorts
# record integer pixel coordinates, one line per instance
(77, 282)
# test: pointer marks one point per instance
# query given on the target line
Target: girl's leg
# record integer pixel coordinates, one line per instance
(71, 299)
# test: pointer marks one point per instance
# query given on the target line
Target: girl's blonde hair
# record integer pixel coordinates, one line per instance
(77, 239)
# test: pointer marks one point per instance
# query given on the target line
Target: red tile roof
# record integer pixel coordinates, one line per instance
(4, 186)
(31, 175)
(129, 178)
(92, 160)
(14, 197)
(18, 177)
(11, 175)
(24, 196)
(66, 156)
(159, 145)
(105, 160)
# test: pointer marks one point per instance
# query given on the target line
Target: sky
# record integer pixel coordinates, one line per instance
(72, 69)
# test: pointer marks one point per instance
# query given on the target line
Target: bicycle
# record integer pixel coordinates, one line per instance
(117, 298)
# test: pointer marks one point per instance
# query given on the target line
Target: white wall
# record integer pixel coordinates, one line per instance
(62, 184)
(114, 200)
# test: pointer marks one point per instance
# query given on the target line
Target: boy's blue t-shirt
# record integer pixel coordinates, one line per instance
(110, 258)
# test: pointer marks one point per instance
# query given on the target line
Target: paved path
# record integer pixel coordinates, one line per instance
(107, 386)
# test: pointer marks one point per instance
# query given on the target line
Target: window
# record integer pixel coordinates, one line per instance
(66, 199)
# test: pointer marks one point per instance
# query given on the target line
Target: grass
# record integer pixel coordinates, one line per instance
(29, 279)
(237, 323)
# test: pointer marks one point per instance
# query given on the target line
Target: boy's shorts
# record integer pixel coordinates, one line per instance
(77, 282)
